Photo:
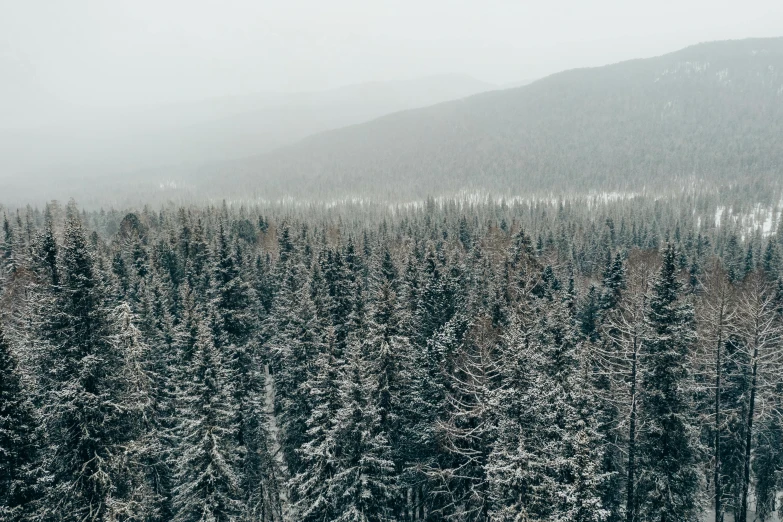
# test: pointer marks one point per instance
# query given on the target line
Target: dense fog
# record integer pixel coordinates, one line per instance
(98, 97)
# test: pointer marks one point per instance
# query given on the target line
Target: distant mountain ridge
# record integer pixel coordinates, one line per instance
(110, 145)
(708, 114)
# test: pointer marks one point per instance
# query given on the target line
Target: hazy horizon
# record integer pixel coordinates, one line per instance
(147, 90)
(89, 54)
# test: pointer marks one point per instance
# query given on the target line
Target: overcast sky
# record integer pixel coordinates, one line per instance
(119, 53)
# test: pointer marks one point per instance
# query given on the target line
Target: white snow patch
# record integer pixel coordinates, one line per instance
(762, 219)
(719, 214)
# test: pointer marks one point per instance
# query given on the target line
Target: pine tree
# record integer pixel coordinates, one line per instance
(568, 427)
(208, 478)
(733, 259)
(10, 253)
(261, 477)
(295, 340)
(613, 283)
(311, 486)
(20, 439)
(589, 315)
(83, 384)
(771, 261)
(234, 301)
(45, 250)
(140, 489)
(668, 449)
(186, 330)
(166, 369)
(735, 388)
(389, 352)
(364, 486)
(606, 386)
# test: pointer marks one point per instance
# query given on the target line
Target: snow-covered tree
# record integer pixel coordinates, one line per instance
(83, 386)
(208, 479)
(363, 486)
(20, 441)
(668, 448)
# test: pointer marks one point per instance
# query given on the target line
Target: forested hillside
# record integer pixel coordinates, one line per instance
(708, 114)
(578, 359)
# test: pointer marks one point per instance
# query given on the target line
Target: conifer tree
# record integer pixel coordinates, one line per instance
(568, 427)
(20, 440)
(45, 250)
(236, 306)
(364, 485)
(771, 261)
(512, 470)
(735, 387)
(84, 426)
(142, 488)
(668, 451)
(207, 467)
(260, 474)
(613, 283)
(311, 487)
(295, 340)
(390, 356)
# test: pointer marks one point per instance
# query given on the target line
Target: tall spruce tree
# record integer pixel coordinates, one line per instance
(310, 488)
(20, 441)
(668, 450)
(141, 488)
(295, 339)
(83, 385)
(208, 480)
(364, 485)
(390, 356)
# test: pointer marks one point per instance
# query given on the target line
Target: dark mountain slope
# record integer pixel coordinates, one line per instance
(711, 113)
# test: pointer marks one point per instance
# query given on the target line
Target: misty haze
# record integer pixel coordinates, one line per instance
(391, 261)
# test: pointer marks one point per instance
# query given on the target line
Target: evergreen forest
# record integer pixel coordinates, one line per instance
(583, 359)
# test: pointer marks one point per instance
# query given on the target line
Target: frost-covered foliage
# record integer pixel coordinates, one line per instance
(597, 360)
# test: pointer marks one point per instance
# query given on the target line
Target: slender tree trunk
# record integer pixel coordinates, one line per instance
(749, 438)
(718, 492)
(630, 508)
